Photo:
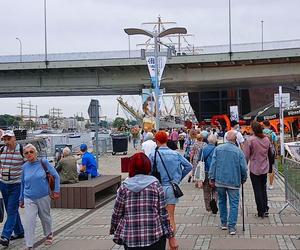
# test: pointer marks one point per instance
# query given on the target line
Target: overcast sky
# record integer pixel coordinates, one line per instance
(97, 25)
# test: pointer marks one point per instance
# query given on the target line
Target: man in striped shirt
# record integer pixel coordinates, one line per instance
(11, 161)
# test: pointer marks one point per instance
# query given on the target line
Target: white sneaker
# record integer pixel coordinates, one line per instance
(271, 187)
(224, 227)
(232, 231)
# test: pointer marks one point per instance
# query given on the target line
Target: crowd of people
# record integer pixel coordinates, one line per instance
(225, 168)
(144, 212)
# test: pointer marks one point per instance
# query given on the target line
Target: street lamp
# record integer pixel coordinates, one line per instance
(45, 30)
(262, 34)
(156, 35)
(229, 26)
(20, 42)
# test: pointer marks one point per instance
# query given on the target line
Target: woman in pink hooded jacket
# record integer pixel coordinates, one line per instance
(256, 151)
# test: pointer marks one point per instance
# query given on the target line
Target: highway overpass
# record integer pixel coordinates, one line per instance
(124, 76)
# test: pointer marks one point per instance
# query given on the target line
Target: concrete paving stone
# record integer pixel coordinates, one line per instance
(83, 244)
(296, 243)
(233, 243)
(290, 219)
(99, 221)
(253, 220)
(275, 230)
(207, 230)
(186, 244)
(181, 210)
(90, 231)
(188, 219)
(199, 210)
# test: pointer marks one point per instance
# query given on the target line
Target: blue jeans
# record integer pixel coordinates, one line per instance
(234, 196)
(11, 194)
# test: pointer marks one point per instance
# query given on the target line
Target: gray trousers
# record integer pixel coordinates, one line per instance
(40, 207)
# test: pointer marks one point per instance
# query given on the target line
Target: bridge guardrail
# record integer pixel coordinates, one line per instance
(292, 184)
(190, 50)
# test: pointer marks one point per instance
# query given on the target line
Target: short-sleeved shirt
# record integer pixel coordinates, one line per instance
(89, 161)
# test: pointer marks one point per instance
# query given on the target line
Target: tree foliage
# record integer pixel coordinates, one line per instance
(9, 121)
(119, 122)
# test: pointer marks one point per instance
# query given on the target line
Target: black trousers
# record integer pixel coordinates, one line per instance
(259, 184)
(159, 245)
(181, 143)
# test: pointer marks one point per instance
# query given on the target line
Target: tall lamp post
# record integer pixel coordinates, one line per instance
(45, 30)
(262, 34)
(156, 35)
(20, 43)
(229, 27)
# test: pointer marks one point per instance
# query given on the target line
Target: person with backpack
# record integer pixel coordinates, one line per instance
(11, 161)
(35, 194)
(273, 139)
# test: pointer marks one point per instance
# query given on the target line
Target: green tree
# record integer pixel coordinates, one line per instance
(119, 122)
(9, 120)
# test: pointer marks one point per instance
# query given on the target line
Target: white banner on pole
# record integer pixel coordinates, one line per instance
(234, 113)
(162, 60)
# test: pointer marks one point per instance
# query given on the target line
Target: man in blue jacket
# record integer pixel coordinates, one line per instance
(227, 172)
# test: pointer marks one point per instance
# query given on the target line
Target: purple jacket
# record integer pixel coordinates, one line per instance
(256, 151)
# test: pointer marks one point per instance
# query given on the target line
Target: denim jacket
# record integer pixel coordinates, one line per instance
(178, 167)
(228, 167)
(207, 152)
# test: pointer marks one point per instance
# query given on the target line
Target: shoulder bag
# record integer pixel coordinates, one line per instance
(177, 191)
(50, 178)
(200, 168)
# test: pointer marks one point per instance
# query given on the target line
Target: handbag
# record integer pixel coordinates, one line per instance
(200, 170)
(213, 203)
(1, 210)
(50, 178)
(176, 189)
(155, 171)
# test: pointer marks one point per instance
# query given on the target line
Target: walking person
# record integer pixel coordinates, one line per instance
(194, 154)
(177, 166)
(206, 154)
(181, 139)
(35, 195)
(227, 172)
(273, 139)
(148, 145)
(256, 151)
(140, 219)
(11, 161)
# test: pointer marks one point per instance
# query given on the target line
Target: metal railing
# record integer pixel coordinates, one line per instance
(118, 54)
(104, 145)
(292, 184)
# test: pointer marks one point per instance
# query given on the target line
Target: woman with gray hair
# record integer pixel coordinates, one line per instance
(206, 155)
(35, 195)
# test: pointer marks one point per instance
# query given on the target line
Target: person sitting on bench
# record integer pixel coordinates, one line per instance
(67, 167)
(89, 165)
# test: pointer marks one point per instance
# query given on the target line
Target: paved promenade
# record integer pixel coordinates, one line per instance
(196, 228)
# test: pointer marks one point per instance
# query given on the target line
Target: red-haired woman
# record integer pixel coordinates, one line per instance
(256, 151)
(169, 163)
(140, 219)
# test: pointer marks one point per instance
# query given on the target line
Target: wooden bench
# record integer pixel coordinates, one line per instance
(84, 194)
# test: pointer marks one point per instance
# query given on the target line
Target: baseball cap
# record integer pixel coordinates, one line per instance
(83, 147)
(9, 133)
